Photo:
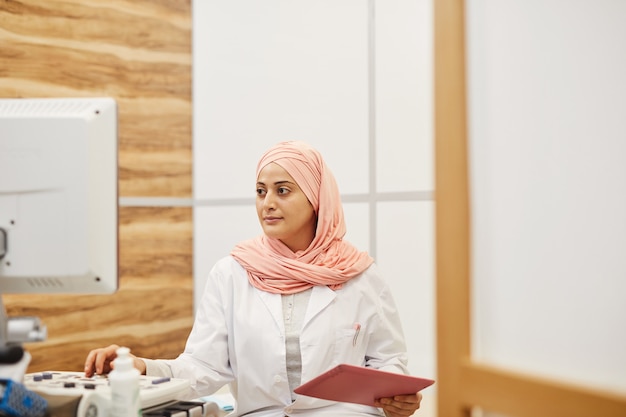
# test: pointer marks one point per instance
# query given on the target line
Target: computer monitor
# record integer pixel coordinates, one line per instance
(58, 197)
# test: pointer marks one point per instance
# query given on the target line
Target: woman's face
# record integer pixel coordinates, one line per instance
(284, 211)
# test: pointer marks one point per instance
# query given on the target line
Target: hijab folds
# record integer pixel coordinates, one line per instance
(329, 260)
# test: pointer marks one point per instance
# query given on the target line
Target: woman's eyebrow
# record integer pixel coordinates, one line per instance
(277, 182)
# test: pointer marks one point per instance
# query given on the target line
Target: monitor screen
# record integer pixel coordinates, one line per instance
(58, 196)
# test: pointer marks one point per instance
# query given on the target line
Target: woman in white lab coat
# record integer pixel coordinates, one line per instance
(289, 305)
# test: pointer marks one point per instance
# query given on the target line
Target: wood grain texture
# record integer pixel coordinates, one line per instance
(515, 394)
(452, 226)
(151, 312)
(138, 52)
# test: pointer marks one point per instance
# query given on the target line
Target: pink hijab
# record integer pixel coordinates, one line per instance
(328, 260)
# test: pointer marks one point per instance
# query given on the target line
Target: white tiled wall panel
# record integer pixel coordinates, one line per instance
(403, 95)
(216, 230)
(278, 70)
(405, 255)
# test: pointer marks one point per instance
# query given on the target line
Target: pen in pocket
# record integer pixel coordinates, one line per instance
(357, 329)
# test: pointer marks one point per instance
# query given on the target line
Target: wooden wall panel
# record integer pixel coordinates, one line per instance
(138, 52)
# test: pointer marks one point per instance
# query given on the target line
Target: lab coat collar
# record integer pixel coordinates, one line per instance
(321, 297)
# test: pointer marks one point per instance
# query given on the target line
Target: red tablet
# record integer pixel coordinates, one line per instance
(361, 385)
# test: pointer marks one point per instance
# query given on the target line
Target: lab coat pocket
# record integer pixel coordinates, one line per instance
(350, 345)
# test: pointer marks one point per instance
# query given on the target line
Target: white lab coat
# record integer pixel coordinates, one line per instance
(238, 338)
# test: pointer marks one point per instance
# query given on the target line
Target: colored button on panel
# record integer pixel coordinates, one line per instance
(160, 380)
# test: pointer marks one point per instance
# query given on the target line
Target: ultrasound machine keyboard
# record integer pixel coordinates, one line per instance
(159, 396)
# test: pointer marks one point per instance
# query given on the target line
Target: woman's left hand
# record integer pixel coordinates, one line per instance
(400, 405)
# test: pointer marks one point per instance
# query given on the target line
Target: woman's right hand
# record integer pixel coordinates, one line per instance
(100, 361)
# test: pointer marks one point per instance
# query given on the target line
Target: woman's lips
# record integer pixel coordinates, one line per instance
(271, 219)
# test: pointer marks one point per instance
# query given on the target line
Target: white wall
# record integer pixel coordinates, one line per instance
(547, 105)
(353, 78)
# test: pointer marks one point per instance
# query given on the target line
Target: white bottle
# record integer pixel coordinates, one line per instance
(124, 382)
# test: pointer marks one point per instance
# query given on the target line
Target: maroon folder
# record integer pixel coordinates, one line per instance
(361, 385)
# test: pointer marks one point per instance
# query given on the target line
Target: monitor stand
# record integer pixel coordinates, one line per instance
(14, 359)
